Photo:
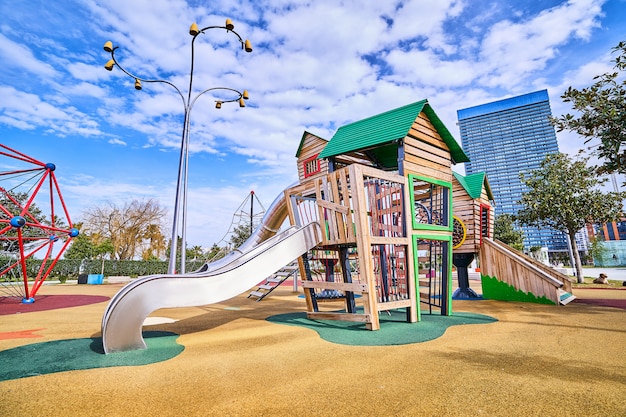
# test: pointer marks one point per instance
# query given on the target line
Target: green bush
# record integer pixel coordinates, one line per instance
(69, 268)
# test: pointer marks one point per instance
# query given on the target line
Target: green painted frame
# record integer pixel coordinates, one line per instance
(448, 264)
(425, 226)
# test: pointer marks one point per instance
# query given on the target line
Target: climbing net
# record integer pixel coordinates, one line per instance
(34, 222)
(248, 216)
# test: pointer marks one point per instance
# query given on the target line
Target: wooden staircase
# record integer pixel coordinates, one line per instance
(273, 281)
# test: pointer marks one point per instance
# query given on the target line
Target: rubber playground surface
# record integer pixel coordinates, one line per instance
(246, 358)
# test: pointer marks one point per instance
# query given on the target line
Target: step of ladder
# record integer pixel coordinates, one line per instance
(273, 281)
(565, 297)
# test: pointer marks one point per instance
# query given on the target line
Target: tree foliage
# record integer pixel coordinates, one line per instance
(504, 230)
(14, 202)
(240, 234)
(601, 110)
(86, 246)
(563, 194)
(133, 229)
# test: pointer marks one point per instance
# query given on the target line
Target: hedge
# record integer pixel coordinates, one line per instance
(70, 268)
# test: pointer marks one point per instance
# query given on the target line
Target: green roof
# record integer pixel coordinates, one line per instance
(386, 128)
(474, 183)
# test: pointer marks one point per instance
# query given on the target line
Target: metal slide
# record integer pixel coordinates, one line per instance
(260, 256)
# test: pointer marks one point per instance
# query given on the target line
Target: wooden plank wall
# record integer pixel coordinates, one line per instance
(425, 153)
(312, 146)
(520, 271)
(467, 209)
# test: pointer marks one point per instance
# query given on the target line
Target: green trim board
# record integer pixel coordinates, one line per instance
(415, 249)
(425, 226)
(494, 289)
(388, 127)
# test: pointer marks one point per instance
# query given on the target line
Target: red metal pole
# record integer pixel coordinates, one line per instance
(23, 262)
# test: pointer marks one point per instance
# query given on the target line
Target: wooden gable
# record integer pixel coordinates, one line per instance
(472, 204)
(309, 166)
(425, 151)
(377, 138)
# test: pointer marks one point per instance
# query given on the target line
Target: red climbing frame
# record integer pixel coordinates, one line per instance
(34, 226)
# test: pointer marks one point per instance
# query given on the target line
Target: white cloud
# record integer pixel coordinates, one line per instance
(117, 142)
(315, 66)
(17, 56)
(512, 51)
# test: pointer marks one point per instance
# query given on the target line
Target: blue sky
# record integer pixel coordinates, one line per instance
(316, 66)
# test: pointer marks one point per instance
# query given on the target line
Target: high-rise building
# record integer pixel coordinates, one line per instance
(505, 138)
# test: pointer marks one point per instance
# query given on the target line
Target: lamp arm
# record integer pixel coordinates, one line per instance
(146, 80)
(222, 27)
(216, 88)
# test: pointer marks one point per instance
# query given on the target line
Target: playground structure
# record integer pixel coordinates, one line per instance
(372, 225)
(382, 190)
(33, 220)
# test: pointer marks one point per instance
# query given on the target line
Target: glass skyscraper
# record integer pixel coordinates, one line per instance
(505, 138)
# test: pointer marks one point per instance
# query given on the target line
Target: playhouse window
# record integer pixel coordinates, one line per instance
(431, 204)
(484, 221)
(311, 166)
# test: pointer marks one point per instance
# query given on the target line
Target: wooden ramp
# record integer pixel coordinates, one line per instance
(522, 273)
(273, 281)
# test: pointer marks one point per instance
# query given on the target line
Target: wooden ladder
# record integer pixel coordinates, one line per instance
(273, 281)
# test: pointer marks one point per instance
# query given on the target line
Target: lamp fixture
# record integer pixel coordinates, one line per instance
(188, 102)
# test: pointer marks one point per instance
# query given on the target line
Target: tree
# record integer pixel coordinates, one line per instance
(82, 247)
(216, 252)
(14, 202)
(131, 228)
(601, 111)
(153, 246)
(596, 248)
(85, 246)
(563, 194)
(504, 230)
(240, 234)
(194, 253)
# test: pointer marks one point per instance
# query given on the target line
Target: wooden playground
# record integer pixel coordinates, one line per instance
(396, 220)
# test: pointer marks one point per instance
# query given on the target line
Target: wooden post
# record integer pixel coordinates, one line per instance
(364, 247)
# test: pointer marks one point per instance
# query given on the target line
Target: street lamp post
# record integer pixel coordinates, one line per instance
(180, 203)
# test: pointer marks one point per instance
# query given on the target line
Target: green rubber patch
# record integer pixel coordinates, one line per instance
(394, 330)
(77, 354)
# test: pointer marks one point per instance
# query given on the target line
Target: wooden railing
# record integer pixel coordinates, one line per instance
(376, 205)
(361, 208)
(521, 272)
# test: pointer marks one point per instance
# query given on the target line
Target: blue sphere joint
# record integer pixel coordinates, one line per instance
(28, 300)
(18, 221)
(74, 232)
(53, 238)
(50, 166)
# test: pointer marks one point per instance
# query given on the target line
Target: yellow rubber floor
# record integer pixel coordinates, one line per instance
(536, 360)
